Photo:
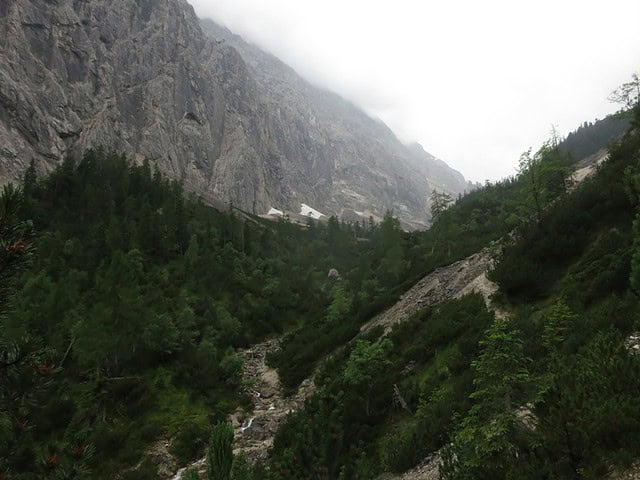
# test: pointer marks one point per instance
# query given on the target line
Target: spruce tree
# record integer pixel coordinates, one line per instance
(220, 452)
(556, 324)
(490, 437)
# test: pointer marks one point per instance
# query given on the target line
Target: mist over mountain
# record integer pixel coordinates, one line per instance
(146, 335)
(230, 121)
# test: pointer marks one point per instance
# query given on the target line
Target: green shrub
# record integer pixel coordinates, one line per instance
(401, 450)
(146, 471)
(190, 442)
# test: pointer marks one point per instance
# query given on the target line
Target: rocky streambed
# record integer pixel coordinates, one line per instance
(254, 430)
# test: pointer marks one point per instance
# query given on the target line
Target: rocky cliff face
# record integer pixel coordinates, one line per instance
(230, 121)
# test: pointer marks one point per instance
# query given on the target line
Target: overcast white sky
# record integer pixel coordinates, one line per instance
(475, 82)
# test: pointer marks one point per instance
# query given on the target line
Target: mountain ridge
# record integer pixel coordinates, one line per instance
(280, 83)
(144, 79)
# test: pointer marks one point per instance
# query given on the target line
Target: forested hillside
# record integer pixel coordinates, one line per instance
(549, 392)
(591, 136)
(124, 301)
(137, 297)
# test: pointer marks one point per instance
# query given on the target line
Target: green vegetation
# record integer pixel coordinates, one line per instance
(578, 399)
(123, 301)
(220, 452)
(551, 393)
(345, 428)
(137, 298)
(488, 437)
(591, 137)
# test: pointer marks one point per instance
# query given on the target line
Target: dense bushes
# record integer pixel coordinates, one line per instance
(127, 324)
(427, 358)
(530, 267)
(564, 271)
(141, 296)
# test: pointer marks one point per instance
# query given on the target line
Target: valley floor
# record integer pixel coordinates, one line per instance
(256, 429)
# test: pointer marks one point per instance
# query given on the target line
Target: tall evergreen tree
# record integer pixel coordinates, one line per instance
(439, 202)
(491, 436)
(220, 452)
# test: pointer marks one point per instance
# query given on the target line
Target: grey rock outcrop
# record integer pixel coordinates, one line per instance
(230, 121)
(456, 280)
(352, 163)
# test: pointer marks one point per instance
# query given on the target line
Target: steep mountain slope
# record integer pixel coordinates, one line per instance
(132, 76)
(565, 279)
(230, 121)
(366, 159)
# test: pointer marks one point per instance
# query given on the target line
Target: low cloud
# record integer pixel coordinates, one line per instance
(476, 83)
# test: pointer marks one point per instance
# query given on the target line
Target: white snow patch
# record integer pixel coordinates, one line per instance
(275, 211)
(307, 211)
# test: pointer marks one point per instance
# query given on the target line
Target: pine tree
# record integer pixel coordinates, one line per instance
(545, 176)
(439, 202)
(220, 452)
(556, 324)
(490, 436)
(590, 414)
(24, 373)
